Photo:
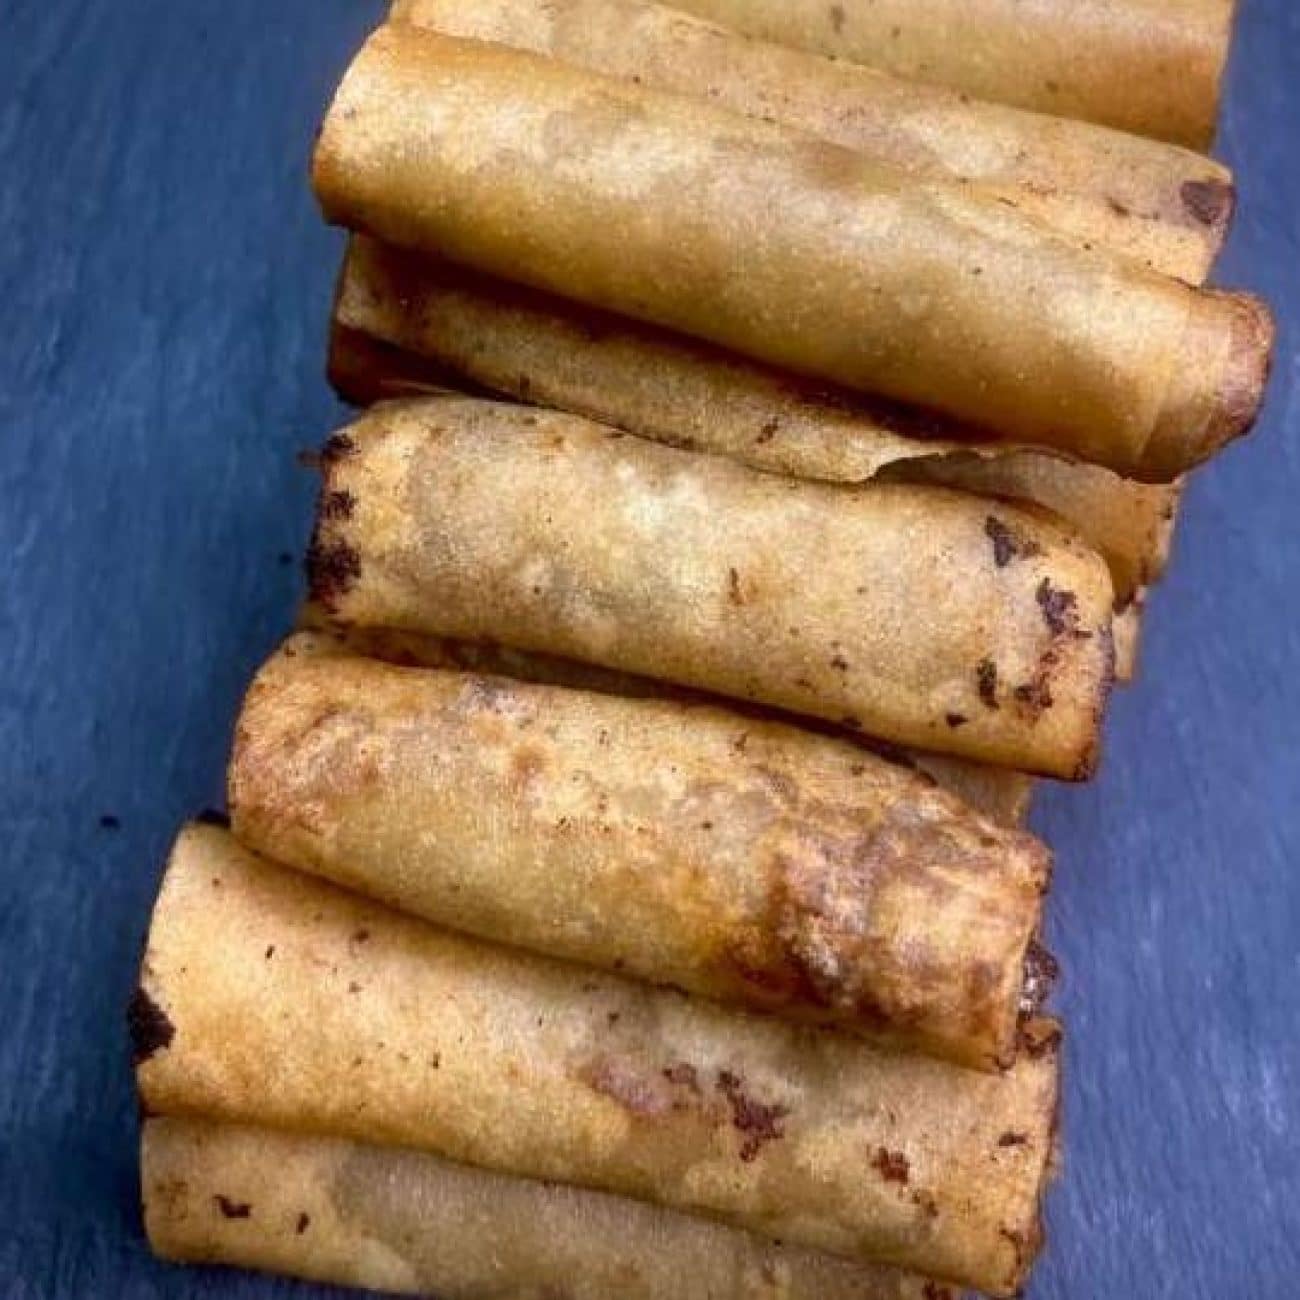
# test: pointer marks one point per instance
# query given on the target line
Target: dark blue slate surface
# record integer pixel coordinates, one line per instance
(164, 283)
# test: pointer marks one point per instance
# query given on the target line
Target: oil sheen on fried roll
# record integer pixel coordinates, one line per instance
(1166, 207)
(647, 204)
(919, 615)
(268, 997)
(1149, 66)
(737, 859)
(998, 793)
(398, 310)
(408, 1222)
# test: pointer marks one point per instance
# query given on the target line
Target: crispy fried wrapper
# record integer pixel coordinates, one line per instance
(996, 792)
(1166, 207)
(919, 615)
(923, 291)
(741, 860)
(404, 324)
(408, 1222)
(1152, 67)
(268, 997)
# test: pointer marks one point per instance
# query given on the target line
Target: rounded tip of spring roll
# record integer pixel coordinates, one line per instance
(1192, 428)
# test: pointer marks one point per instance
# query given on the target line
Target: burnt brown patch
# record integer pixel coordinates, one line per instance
(150, 1029)
(1041, 973)
(332, 570)
(683, 1075)
(338, 505)
(622, 1082)
(1007, 543)
(757, 1122)
(1208, 202)
(1010, 1139)
(955, 720)
(986, 682)
(933, 1291)
(1060, 607)
(304, 1222)
(734, 593)
(337, 447)
(769, 431)
(233, 1209)
(892, 1166)
(837, 16)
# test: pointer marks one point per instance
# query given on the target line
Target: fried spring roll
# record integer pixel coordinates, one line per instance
(740, 860)
(271, 998)
(406, 324)
(1163, 206)
(919, 615)
(387, 1219)
(644, 203)
(1148, 66)
(997, 793)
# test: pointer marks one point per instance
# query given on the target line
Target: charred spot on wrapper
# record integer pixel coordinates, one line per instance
(150, 1029)
(332, 569)
(1013, 1140)
(1209, 202)
(1041, 973)
(768, 432)
(892, 1166)
(955, 720)
(338, 504)
(1007, 544)
(231, 1209)
(304, 1221)
(337, 447)
(836, 13)
(1060, 608)
(757, 1122)
(986, 682)
(933, 1291)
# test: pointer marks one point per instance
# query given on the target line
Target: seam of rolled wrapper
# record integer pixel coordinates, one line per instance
(312, 1051)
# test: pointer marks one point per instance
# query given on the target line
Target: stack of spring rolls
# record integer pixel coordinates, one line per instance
(769, 448)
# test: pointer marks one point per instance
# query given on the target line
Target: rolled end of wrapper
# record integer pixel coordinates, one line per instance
(1219, 384)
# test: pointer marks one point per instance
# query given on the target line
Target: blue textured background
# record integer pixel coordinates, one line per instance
(164, 282)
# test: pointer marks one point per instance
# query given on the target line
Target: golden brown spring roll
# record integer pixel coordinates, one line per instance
(405, 324)
(1148, 66)
(271, 998)
(645, 203)
(996, 792)
(740, 860)
(919, 615)
(1166, 207)
(393, 1220)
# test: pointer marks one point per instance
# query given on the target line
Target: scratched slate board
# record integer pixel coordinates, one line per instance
(164, 282)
